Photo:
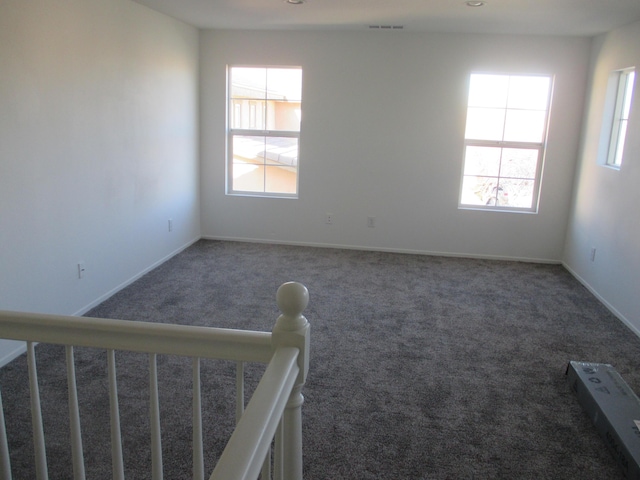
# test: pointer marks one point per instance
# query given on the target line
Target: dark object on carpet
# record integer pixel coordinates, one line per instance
(614, 409)
(422, 367)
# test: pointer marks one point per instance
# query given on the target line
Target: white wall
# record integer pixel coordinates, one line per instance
(382, 135)
(605, 212)
(98, 148)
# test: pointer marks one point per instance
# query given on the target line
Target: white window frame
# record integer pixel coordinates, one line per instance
(539, 146)
(254, 109)
(624, 85)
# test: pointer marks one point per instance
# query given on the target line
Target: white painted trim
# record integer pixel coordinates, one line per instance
(381, 249)
(128, 282)
(145, 337)
(602, 300)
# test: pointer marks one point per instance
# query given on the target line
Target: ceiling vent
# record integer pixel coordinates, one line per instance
(386, 27)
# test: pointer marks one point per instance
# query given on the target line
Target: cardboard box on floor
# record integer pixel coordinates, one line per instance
(614, 409)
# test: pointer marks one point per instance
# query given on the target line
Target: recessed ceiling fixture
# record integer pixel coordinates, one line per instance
(294, 2)
(475, 3)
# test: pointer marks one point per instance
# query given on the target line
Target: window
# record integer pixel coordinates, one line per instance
(504, 141)
(624, 80)
(263, 130)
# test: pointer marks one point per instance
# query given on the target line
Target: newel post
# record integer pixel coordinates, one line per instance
(292, 330)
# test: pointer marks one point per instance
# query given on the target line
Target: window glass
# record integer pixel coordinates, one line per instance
(625, 80)
(504, 141)
(265, 108)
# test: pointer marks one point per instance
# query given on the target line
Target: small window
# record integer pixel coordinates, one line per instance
(505, 138)
(624, 80)
(264, 112)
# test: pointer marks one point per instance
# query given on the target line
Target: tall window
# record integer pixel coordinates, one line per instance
(622, 108)
(263, 130)
(504, 141)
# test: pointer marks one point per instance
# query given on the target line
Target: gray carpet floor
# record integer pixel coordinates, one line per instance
(422, 367)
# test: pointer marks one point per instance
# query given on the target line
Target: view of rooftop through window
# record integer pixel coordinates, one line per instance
(505, 136)
(264, 130)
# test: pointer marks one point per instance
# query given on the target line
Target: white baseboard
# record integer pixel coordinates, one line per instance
(602, 300)
(382, 249)
(128, 282)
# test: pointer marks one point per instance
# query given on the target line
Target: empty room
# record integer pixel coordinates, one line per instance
(455, 183)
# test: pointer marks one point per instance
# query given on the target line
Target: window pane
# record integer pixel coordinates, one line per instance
(283, 116)
(488, 91)
(248, 149)
(248, 177)
(622, 135)
(264, 164)
(628, 94)
(490, 191)
(284, 84)
(248, 82)
(516, 193)
(483, 161)
(280, 179)
(519, 163)
(281, 151)
(265, 98)
(524, 126)
(485, 124)
(477, 190)
(497, 195)
(483, 191)
(248, 114)
(529, 93)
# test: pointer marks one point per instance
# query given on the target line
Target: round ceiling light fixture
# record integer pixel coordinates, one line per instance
(294, 2)
(475, 3)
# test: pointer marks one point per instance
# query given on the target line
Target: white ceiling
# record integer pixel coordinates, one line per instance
(540, 17)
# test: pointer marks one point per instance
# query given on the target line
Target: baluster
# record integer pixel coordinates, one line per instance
(5, 465)
(277, 453)
(239, 390)
(198, 454)
(266, 467)
(74, 417)
(116, 438)
(36, 416)
(154, 418)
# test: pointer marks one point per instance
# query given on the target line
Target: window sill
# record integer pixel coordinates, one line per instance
(262, 195)
(480, 208)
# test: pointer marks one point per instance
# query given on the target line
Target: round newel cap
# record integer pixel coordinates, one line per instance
(292, 298)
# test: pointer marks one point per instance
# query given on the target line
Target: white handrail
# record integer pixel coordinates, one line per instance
(146, 337)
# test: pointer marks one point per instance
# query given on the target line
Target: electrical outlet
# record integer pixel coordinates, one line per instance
(81, 270)
(593, 254)
(171, 225)
(328, 219)
(371, 222)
